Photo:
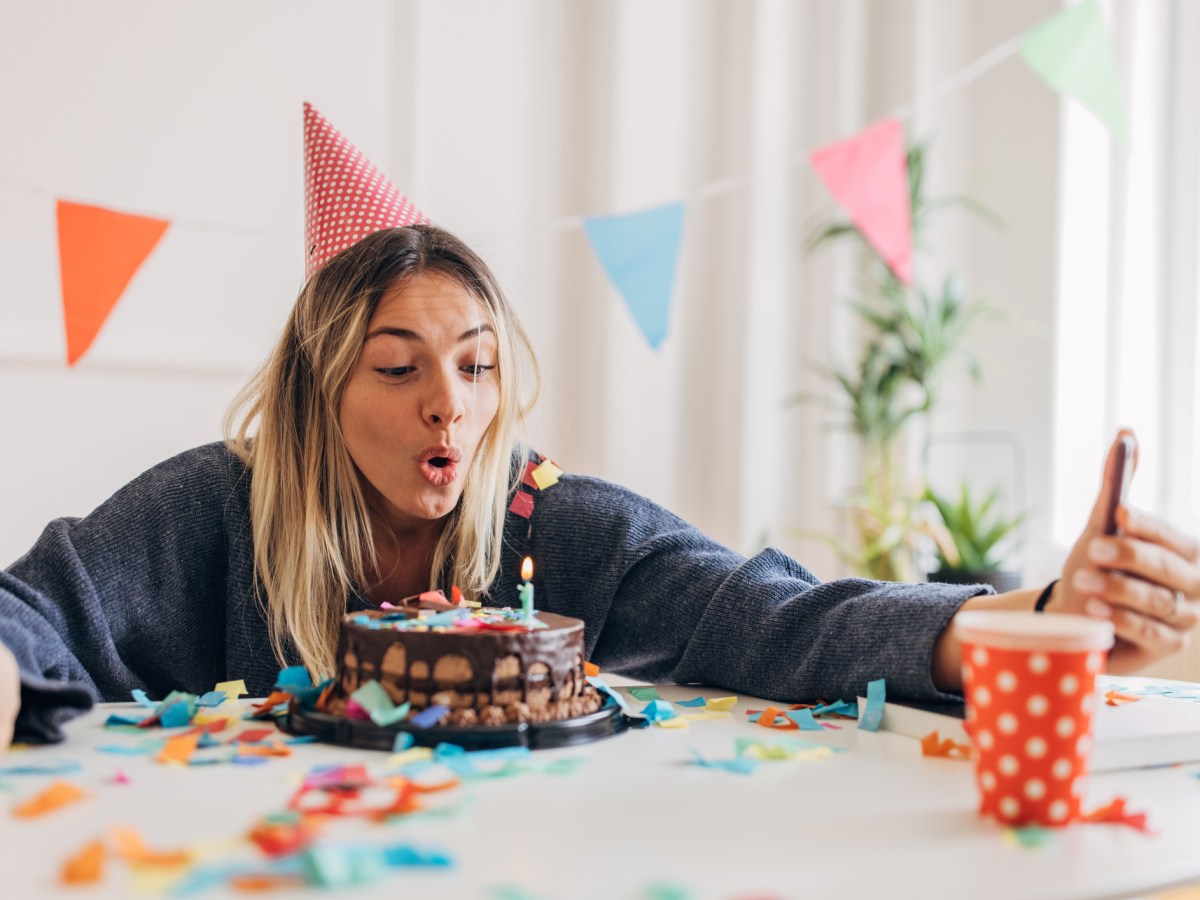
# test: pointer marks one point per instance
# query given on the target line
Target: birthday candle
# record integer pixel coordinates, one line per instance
(525, 591)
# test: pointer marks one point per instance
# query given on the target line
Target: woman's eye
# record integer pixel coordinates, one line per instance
(396, 371)
(475, 370)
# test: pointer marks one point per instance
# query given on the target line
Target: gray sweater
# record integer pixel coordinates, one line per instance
(155, 589)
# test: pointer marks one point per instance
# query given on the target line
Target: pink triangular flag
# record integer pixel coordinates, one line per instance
(346, 197)
(868, 176)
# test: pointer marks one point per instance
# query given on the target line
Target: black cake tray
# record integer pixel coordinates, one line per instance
(605, 722)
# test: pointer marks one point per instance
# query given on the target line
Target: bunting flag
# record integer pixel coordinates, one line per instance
(99, 251)
(1073, 53)
(640, 254)
(868, 176)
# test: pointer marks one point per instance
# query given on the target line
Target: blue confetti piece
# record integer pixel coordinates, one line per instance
(293, 677)
(177, 714)
(804, 719)
(141, 697)
(212, 698)
(114, 719)
(399, 855)
(694, 702)
(44, 767)
(659, 711)
(873, 714)
(841, 707)
(403, 741)
(301, 739)
(602, 686)
(428, 717)
(125, 749)
(742, 765)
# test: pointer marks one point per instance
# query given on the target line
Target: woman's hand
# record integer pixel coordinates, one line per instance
(10, 696)
(1146, 580)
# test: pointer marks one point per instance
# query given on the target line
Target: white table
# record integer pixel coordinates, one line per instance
(878, 820)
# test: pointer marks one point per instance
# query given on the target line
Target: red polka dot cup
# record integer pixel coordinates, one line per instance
(1030, 685)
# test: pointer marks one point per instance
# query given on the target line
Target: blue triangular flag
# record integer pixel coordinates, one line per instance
(640, 253)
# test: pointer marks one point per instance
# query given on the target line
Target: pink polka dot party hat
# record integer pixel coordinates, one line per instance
(346, 198)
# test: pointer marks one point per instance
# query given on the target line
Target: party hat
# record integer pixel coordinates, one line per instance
(346, 197)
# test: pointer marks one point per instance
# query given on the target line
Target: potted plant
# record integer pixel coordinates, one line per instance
(912, 336)
(970, 537)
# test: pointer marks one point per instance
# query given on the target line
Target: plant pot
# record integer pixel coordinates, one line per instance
(1001, 579)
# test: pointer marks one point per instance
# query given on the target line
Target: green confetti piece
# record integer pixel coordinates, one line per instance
(644, 693)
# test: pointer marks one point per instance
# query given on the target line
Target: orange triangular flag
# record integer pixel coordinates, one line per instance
(868, 176)
(99, 251)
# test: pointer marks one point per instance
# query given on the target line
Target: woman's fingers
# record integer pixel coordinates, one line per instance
(1139, 525)
(1152, 562)
(1143, 597)
(1156, 638)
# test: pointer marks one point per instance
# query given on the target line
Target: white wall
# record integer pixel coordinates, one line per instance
(505, 123)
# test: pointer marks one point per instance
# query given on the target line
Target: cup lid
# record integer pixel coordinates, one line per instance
(1017, 630)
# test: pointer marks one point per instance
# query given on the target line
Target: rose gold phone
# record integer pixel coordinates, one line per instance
(1118, 488)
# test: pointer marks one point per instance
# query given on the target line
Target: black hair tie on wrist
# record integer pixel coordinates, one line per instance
(1044, 597)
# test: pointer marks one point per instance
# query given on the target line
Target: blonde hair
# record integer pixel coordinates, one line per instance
(314, 538)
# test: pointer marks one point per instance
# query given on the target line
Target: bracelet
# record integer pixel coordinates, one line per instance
(1044, 597)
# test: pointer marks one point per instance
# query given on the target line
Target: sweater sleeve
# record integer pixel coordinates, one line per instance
(133, 595)
(663, 602)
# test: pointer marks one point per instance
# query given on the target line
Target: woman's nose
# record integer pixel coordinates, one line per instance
(444, 404)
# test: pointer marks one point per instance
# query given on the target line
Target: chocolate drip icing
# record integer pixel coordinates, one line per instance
(558, 648)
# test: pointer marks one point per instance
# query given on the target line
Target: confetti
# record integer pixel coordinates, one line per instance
(86, 866)
(644, 693)
(55, 796)
(935, 745)
(873, 714)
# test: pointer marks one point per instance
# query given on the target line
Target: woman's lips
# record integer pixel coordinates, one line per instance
(439, 476)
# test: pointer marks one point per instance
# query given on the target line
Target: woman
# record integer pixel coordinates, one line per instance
(382, 464)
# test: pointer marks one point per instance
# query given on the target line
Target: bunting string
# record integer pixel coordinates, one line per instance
(866, 174)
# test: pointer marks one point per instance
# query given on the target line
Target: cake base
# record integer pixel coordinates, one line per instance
(605, 722)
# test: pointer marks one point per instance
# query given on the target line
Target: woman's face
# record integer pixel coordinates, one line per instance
(424, 390)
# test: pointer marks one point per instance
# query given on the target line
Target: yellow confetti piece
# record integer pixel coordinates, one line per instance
(545, 475)
(675, 722)
(411, 755)
(720, 704)
(232, 689)
(134, 851)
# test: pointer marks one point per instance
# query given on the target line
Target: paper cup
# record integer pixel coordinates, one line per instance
(1029, 681)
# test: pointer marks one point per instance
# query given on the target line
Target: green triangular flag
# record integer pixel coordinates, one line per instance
(1073, 53)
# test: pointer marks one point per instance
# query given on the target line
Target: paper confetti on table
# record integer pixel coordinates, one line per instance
(804, 719)
(233, 689)
(1116, 698)
(721, 704)
(1029, 836)
(873, 714)
(211, 699)
(590, 668)
(784, 749)
(658, 711)
(131, 848)
(55, 796)
(740, 765)
(50, 766)
(935, 745)
(677, 722)
(179, 749)
(694, 702)
(839, 708)
(1115, 813)
(644, 693)
(86, 866)
(771, 718)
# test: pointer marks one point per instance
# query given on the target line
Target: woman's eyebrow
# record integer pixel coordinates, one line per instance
(410, 335)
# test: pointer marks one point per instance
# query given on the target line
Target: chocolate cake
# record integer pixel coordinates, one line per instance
(487, 666)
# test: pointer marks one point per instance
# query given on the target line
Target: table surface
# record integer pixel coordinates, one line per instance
(635, 820)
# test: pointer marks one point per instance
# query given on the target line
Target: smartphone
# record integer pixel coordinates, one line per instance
(1118, 488)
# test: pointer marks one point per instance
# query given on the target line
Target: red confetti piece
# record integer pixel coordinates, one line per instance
(522, 504)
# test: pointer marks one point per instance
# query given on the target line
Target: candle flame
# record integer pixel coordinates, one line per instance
(527, 569)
